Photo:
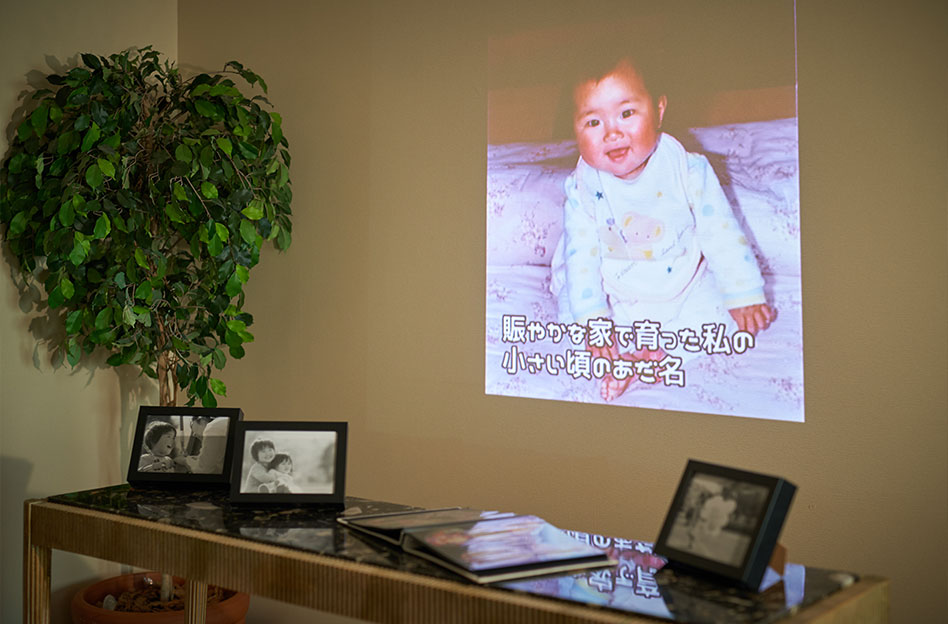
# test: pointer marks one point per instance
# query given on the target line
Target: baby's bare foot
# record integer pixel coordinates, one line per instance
(612, 388)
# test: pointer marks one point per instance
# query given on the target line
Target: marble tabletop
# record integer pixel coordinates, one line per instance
(639, 583)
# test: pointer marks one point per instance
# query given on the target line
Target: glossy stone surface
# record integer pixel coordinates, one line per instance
(637, 584)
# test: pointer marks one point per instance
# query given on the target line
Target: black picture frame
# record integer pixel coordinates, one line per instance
(725, 522)
(196, 458)
(317, 463)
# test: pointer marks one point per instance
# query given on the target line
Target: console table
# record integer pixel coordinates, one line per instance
(304, 557)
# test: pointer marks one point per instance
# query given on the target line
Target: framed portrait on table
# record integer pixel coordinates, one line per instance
(725, 522)
(289, 462)
(184, 446)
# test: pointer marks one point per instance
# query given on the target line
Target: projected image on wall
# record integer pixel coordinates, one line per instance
(643, 213)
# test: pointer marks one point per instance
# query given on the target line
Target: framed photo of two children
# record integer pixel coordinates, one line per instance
(289, 462)
(183, 446)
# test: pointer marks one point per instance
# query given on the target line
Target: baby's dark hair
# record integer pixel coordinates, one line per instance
(596, 66)
(155, 431)
(278, 459)
(605, 65)
(258, 446)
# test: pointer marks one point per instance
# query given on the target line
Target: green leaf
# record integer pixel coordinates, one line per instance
(73, 351)
(67, 288)
(232, 339)
(143, 315)
(215, 246)
(80, 249)
(128, 315)
(143, 291)
(91, 61)
(283, 239)
(39, 118)
(24, 131)
(217, 386)
(247, 231)
(56, 298)
(66, 214)
(208, 190)
(242, 273)
(224, 89)
(55, 113)
(183, 153)
(208, 399)
(254, 210)
(175, 214)
(201, 89)
(179, 192)
(94, 176)
(140, 258)
(225, 145)
(248, 150)
(108, 169)
(102, 227)
(207, 156)
(92, 136)
(207, 109)
(74, 322)
(222, 232)
(234, 286)
(103, 319)
(219, 359)
(18, 224)
(16, 163)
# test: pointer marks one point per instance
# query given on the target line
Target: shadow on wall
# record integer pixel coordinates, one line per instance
(15, 473)
(47, 328)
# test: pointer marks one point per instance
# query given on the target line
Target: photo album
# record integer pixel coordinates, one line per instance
(482, 546)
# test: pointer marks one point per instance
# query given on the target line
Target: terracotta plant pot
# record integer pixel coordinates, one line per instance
(231, 610)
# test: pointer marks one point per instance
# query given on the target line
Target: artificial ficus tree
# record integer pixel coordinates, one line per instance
(140, 201)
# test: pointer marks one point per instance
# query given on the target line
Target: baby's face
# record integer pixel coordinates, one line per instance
(265, 455)
(285, 466)
(164, 445)
(617, 124)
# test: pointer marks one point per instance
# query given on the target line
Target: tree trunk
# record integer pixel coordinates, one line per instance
(167, 397)
(167, 380)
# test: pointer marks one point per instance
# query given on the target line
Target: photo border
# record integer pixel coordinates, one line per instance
(336, 498)
(750, 571)
(136, 477)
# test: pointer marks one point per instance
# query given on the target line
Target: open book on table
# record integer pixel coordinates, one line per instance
(484, 547)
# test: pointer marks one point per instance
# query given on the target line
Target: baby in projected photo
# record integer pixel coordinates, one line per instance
(158, 445)
(648, 232)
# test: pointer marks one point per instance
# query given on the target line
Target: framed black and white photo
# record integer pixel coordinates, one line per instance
(189, 446)
(289, 462)
(725, 522)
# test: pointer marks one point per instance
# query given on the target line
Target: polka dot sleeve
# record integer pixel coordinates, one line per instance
(722, 240)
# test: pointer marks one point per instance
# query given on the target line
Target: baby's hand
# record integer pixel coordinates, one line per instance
(754, 318)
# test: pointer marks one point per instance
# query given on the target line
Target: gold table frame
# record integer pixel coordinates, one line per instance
(329, 584)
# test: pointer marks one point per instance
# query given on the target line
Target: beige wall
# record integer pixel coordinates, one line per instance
(60, 429)
(375, 314)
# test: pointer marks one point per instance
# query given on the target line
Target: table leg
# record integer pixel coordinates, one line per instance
(36, 573)
(195, 605)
